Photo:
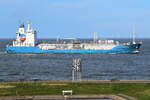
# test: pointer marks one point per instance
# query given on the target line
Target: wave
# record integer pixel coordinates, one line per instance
(3, 52)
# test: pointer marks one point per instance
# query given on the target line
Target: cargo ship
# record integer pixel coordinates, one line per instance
(26, 43)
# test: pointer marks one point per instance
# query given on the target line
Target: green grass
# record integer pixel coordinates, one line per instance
(141, 91)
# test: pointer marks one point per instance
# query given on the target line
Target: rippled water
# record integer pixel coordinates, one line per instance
(58, 66)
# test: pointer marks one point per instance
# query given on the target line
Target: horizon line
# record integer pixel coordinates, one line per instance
(90, 38)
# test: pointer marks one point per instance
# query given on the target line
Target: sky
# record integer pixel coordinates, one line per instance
(77, 18)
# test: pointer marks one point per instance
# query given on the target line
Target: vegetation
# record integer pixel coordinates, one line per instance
(141, 91)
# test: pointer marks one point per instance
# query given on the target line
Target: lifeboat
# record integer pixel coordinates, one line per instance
(22, 39)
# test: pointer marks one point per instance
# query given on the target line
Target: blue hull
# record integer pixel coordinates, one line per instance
(133, 48)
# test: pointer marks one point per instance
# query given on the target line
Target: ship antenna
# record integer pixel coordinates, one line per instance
(133, 35)
(29, 25)
(95, 37)
(58, 38)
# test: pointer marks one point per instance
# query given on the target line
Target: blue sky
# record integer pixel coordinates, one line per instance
(77, 18)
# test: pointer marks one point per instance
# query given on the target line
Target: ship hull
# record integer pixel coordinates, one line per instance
(132, 48)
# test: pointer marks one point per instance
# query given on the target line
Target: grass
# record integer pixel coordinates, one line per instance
(141, 91)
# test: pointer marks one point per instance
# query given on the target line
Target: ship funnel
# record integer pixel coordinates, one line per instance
(21, 26)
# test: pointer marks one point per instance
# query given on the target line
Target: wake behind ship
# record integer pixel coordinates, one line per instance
(26, 43)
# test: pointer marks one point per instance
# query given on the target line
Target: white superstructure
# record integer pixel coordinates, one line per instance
(25, 37)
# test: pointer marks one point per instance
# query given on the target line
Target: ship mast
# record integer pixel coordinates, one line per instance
(133, 35)
(95, 37)
(29, 26)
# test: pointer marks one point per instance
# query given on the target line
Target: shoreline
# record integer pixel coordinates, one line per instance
(84, 81)
(60, 97)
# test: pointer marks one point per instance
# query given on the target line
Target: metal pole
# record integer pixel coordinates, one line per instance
(80, 77)
(65, 97)
(73, 75)
(133, 35)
